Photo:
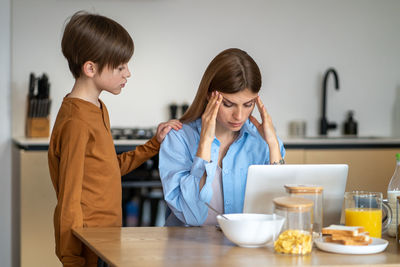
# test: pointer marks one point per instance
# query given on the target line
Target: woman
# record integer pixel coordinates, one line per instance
(207, 160)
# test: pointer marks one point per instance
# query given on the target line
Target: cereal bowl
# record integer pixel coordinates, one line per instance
(249, 229)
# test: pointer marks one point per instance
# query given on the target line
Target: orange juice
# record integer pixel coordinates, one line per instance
(370, 219)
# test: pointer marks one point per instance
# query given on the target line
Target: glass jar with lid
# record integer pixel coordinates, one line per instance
(296, 234)
(398, 220)
(314, 193)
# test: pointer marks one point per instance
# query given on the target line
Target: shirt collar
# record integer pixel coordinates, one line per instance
(248, 129)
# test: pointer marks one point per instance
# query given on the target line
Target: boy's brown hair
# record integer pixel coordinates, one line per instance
(91, 37)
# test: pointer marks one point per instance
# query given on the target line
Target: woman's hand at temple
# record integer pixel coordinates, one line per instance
(267, 131)
(208, 122)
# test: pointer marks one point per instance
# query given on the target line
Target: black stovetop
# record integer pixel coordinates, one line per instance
(131, 133)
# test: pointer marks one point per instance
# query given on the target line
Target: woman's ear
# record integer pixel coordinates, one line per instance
(89, 69)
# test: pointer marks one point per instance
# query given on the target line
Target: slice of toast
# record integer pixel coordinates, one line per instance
(363, 237)
(343, 230)
(348, 242)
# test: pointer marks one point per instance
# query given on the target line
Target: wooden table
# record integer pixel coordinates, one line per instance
(207, 246)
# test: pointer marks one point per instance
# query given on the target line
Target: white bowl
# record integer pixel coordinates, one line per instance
(251, 230)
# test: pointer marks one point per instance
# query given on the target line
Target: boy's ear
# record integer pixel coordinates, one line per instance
(89, 69)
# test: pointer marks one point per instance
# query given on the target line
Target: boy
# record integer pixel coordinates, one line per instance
(84, 168)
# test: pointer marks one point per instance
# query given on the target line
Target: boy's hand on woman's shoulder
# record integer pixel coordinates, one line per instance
(164, 128)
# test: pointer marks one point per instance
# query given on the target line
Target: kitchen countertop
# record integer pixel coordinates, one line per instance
(43, 143)
(290, 143)
(321, 142)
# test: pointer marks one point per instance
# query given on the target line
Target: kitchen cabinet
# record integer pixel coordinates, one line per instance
(37, 203)
(370, 169)
(295, 156)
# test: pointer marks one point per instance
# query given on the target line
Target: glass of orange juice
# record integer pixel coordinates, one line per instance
(365, 209)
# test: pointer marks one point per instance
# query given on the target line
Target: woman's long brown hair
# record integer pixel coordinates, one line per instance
(231, 71)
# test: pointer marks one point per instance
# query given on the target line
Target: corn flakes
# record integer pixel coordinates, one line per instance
(294, 242)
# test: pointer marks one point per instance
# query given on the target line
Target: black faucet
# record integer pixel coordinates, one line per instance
(324, 124)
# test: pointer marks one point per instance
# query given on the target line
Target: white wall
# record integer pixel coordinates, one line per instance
(294, 42)
(5, 135)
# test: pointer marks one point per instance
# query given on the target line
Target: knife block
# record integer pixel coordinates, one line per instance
(38, 127)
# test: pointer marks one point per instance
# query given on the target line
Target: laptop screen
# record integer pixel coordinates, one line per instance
(266, 182)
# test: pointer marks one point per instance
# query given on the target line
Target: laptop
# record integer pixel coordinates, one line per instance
(266, 182)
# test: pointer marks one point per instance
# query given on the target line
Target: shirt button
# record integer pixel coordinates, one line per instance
(226, 171)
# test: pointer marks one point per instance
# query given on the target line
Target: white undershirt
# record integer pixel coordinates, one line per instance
(217, 200)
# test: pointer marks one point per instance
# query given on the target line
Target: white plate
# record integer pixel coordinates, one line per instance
(377, 245)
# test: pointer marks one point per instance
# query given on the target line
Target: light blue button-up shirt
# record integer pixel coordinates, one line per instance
(181, 171)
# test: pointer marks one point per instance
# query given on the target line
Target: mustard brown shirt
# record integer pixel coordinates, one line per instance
(86, 173)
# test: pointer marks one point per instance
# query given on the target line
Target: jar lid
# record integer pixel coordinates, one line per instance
(294, 203)
(303, 188)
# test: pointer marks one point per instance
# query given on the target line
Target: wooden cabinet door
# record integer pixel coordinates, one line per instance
(294, 156)
(37, 203)
(369, 169)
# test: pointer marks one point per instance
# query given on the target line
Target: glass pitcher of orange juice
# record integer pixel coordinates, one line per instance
(365, 209)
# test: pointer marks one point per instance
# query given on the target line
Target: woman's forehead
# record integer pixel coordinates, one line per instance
(240, 97)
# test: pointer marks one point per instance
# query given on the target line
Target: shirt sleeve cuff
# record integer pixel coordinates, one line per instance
(199, 167)
(283, 151)
(154, 143)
